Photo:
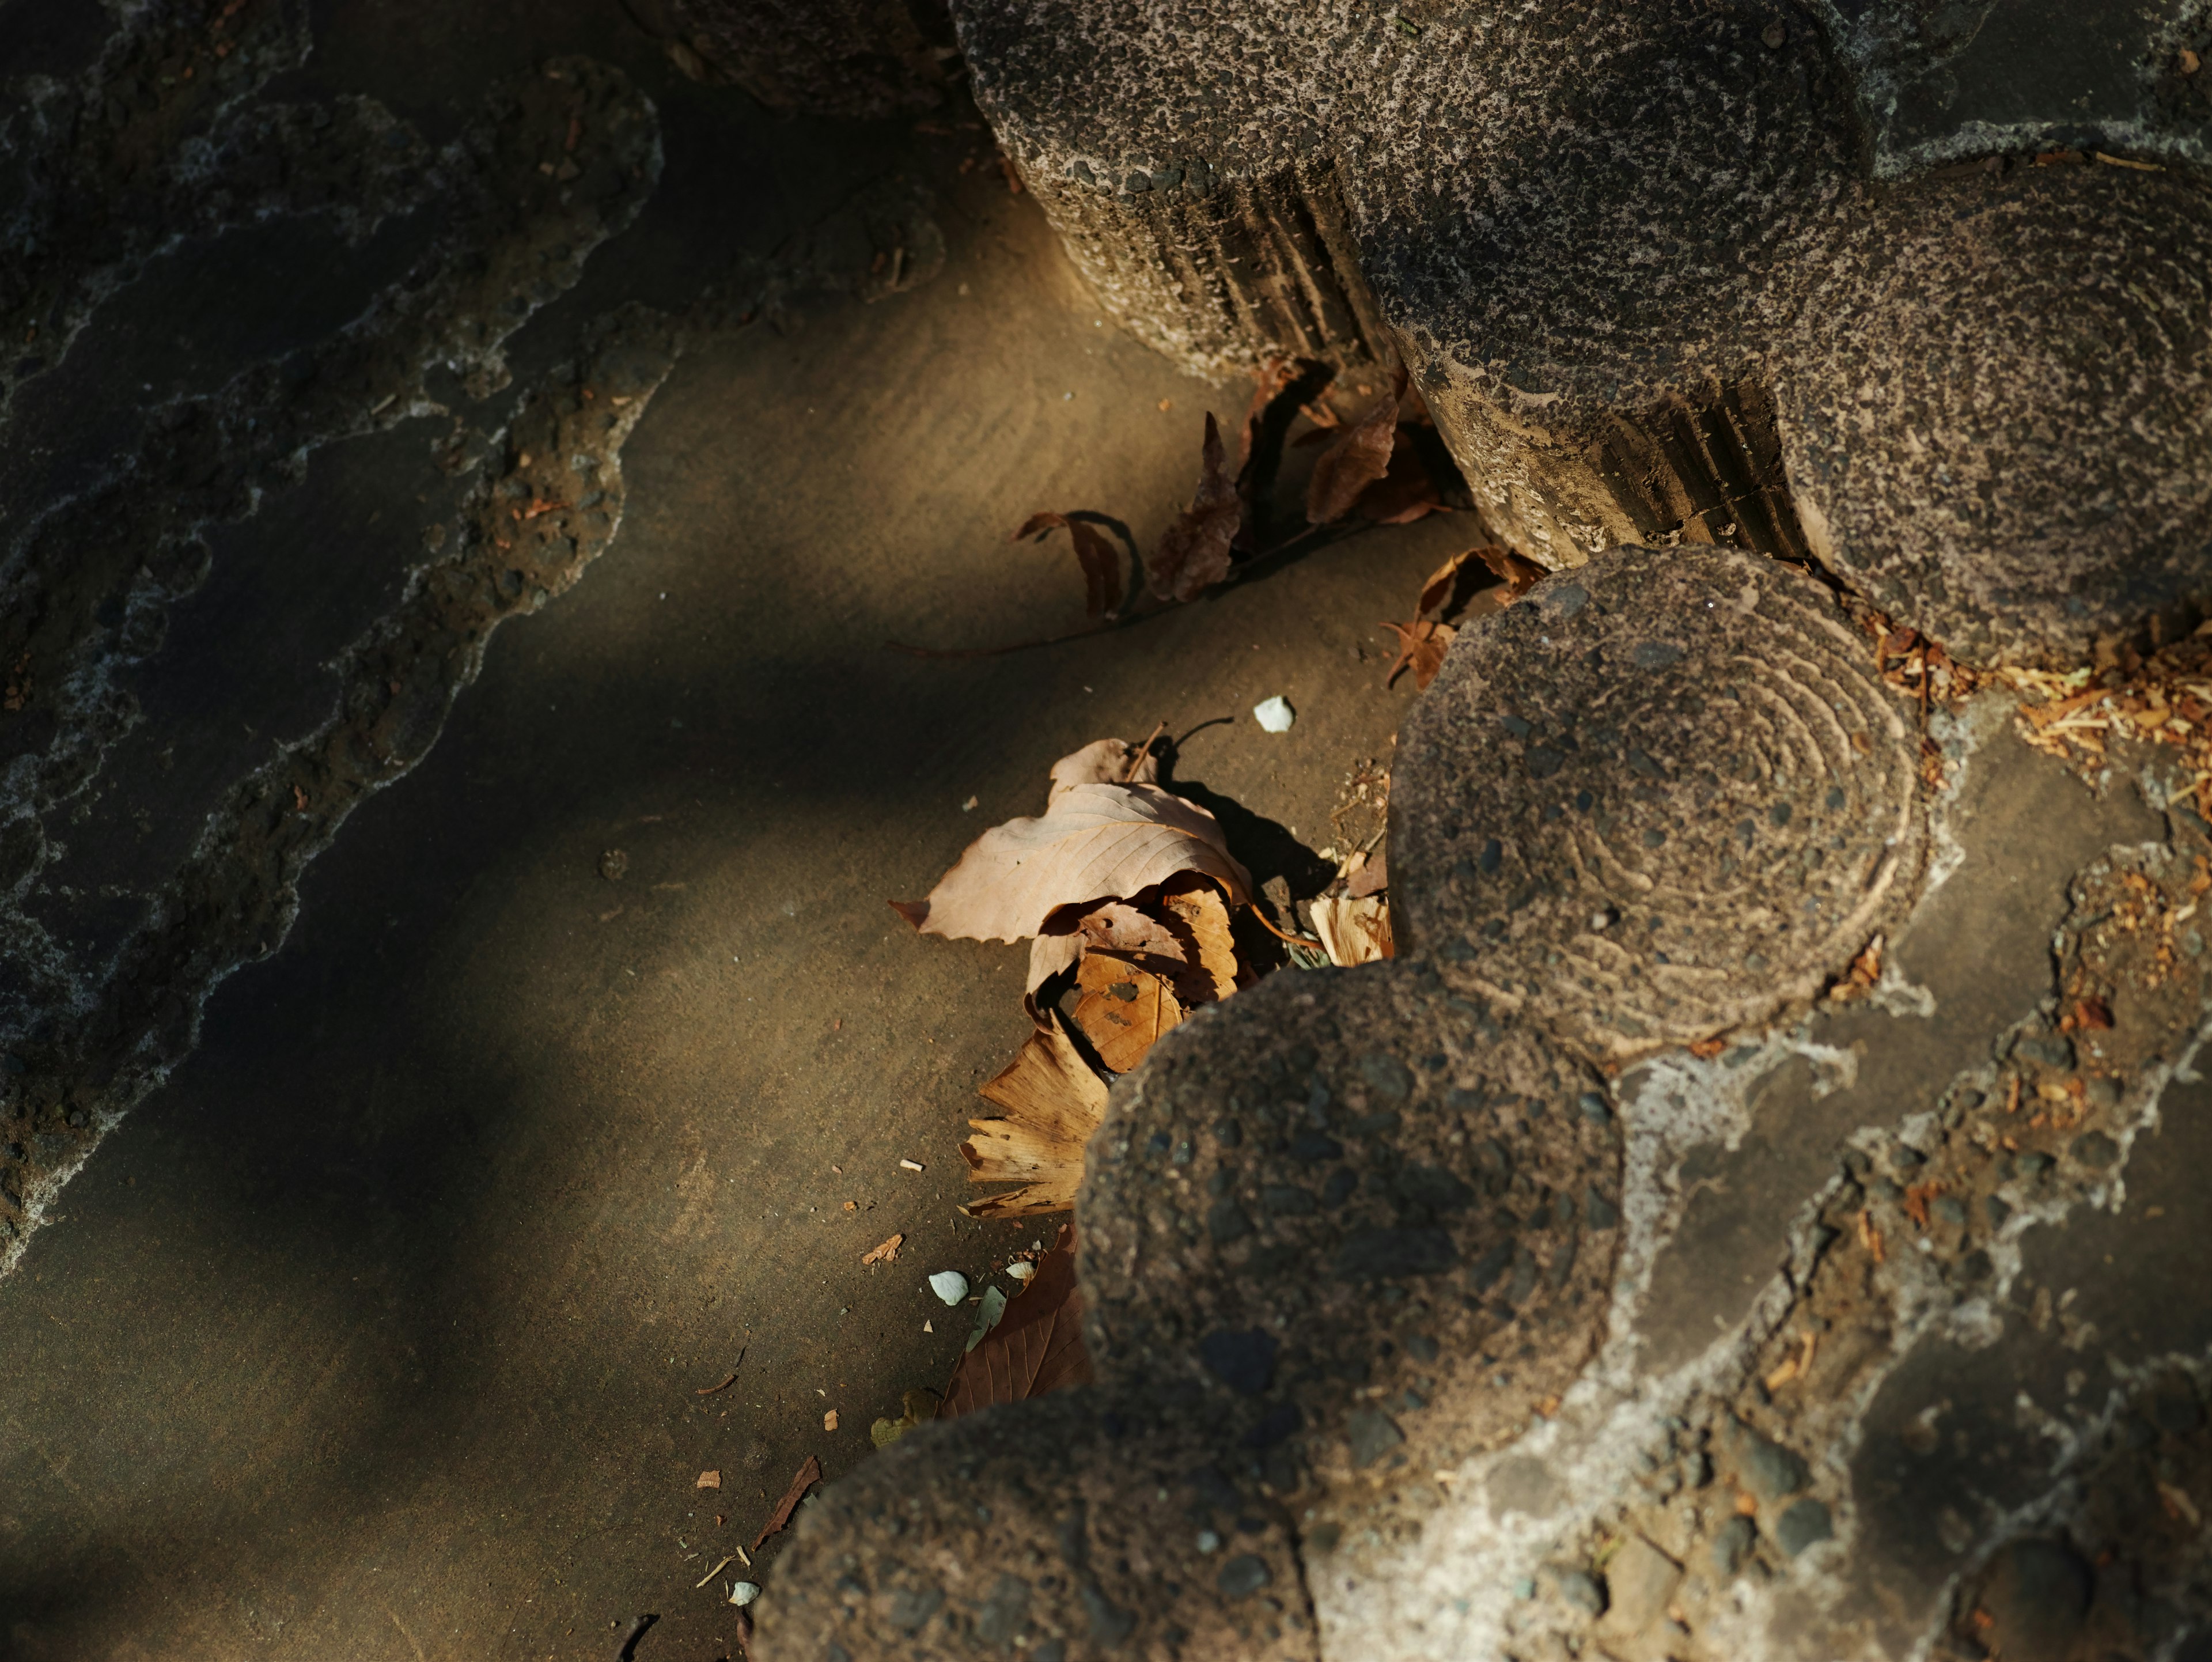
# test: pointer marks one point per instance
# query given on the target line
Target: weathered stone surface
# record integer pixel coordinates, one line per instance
(1357, 1224)
(1998, 420)
(1054, 1530)
(1606, 238)
(1663, 795)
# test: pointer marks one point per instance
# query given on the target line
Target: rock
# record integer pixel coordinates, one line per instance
(1457, 1264)
(2095, 1149)
(1640, 1581)
(1861, 370)
(1691, 723)
(1768, 1471)
(1585, 1592)
(1732, 1544)
(1089, 1514)
(1804, 1523)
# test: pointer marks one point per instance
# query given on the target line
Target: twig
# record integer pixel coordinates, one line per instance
(628, 1650)
(728, 1380)
(1295, 939)
(1144, 750)
(714, 1572)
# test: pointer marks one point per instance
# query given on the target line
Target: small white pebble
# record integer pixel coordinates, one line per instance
(969, 806)
(1275, 715)
(743, 1593)
(1208, 1540)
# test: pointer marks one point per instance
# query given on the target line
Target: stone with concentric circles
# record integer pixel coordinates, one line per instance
(1663, 795)
(1352, 1223)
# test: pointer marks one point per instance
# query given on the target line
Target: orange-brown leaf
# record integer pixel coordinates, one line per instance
(1123, 1009)
(1355, 932)
(1193, 553)
(1421, 648)
(1359, 458)
(1036, 1347)
(1519, 575)
(1102, 566)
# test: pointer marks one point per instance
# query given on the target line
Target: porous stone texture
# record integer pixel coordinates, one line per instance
(1054, 1530)
(1604, 237)
(849, 58)
(1663, 795)
(1357, 1224)
(1999, 419)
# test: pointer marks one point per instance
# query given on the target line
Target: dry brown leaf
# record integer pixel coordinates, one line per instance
(1436, 593)
(708, 1480)
(1193, 553)
(1095, 843)
(1053, 1102)
(1421, 648)
(1353, 931)
(1123, 1009)
(1102, 761)
(1036, 1347)
(1200, 910)
(1518, 575)
(1356, 461)
(830, 1420)
(1268, 381)
(1101, 563)
(1406, 492)
(808, 1474)
(887, 1253)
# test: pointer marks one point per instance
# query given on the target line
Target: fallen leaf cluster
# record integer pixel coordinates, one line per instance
(1125, 893)
(1379, 467)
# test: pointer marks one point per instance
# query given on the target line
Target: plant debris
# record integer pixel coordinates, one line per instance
(808, 1474)
(886, 1253)
(1358, 457)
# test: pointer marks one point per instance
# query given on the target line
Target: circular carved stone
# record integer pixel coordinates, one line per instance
(1353, 1225)
(1660, 796)
(1053, 1529)
(2000, 428)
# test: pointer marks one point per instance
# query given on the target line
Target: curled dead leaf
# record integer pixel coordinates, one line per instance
(1421, 648)
(1358, 457)
(886, 1253)
(1053, 1101)
(1094, 843)
(1193, 553)
(1101, 564)
(1102, 761)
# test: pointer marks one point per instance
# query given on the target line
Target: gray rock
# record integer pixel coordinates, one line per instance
(1732, 1544)
(1763, 781)
(1769, 1471)
(1805, 1523)
(1585, 1592)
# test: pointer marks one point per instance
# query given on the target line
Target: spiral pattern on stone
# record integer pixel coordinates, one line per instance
(1663, 795)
